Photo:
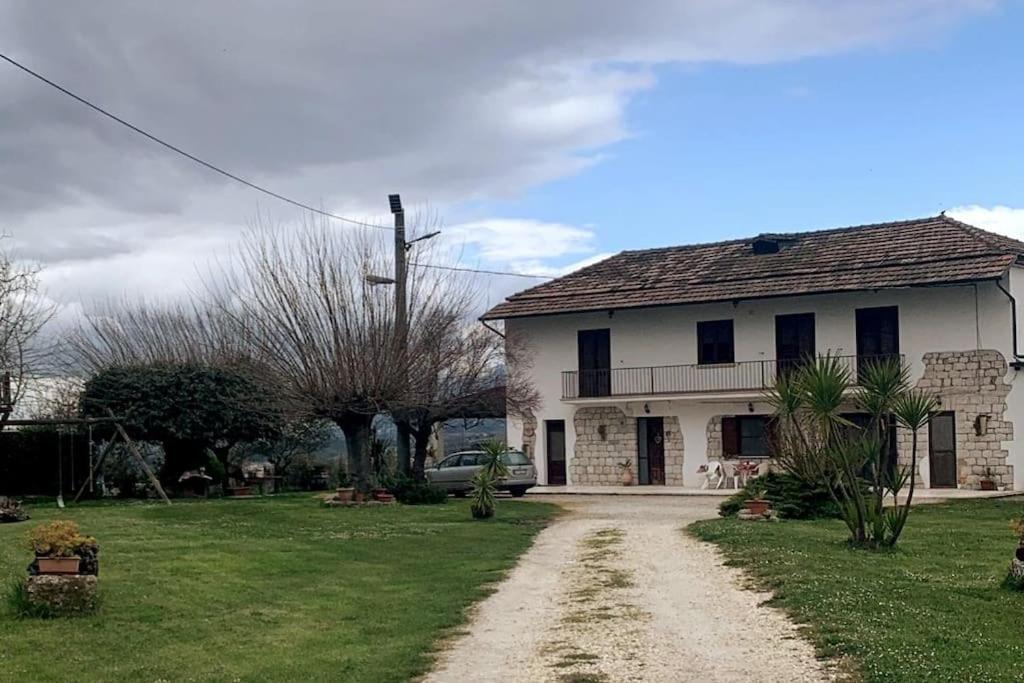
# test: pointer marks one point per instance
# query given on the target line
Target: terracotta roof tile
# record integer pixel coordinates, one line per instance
(911, 253)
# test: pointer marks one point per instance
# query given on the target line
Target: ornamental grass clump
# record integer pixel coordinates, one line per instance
(814, 440)
(482, 498)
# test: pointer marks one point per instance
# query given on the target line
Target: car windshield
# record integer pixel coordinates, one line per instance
(515, 458)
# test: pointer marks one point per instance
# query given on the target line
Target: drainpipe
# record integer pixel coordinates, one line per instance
(1018, 359)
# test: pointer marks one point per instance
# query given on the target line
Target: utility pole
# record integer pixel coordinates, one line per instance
(401, 325)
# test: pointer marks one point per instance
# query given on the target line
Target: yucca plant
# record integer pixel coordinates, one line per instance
(482, 499)
(814, 442)
(494, 458)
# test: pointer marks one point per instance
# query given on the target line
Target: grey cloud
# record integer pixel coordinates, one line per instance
(342, 102)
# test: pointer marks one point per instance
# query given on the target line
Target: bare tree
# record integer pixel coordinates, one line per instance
(460, 371)
(23, 313)
(123, 334)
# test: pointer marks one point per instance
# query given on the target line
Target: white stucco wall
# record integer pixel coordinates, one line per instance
(931, 319)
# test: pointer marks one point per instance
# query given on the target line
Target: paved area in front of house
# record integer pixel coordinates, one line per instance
(615, 591)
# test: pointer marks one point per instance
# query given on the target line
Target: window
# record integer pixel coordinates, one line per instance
(878, 331)
(469, 460)
(451, 461)
(515, 458)
(746, 436)
(715, 342)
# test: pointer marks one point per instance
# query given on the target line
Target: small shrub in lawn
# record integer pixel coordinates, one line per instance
(411, 492)
(21, 606)
(482, 500)
(790, 497)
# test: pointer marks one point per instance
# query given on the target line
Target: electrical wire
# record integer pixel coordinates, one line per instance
(239, 179)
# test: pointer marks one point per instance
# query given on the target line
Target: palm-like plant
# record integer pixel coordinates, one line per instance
(482, 499)
(817, 444)
(494, 458)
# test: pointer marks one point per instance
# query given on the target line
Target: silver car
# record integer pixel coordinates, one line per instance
(455, 473)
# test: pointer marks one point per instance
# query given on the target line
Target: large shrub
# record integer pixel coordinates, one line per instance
(411, 492)
(190, 409)
(790, 497)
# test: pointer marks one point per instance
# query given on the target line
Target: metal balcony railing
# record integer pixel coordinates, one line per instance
(753, 375)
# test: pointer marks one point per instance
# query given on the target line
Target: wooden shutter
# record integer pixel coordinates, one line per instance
(730, 436)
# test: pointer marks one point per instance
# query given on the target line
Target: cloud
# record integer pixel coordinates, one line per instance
(341, 103)
(513, 240)
(1002, 219)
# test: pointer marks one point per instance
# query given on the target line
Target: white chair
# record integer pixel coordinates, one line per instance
(713, 470)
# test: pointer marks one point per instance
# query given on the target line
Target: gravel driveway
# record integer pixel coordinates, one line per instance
(615, 591)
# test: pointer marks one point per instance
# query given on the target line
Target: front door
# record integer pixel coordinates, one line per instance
(650, 440)
(794, 340)
(942, 450)
(595, 362)
(555, 441)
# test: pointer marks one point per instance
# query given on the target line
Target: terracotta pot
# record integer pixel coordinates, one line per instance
(987, 485)
(756, 506)
(376, 493)
(240, 491)
(384, 497)
(627, 477)
(58, 565)
(344, 493)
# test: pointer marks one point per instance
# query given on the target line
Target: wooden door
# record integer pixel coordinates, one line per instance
(555, 440)
(595, 362)
(942, 450)
(651, 450)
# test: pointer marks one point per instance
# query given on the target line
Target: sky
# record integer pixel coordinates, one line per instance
(542, 136)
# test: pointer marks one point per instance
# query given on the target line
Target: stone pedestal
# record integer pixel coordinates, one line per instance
(63, 595)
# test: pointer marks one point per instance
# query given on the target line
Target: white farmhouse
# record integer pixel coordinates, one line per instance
(661, 357)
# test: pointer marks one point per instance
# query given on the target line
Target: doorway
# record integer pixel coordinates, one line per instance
(650, 442)
(555, 441)
(942, 450)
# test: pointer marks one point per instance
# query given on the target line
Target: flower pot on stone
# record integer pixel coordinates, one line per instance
(344, 494)
(59, 566)
(756, 506)
(378, 492)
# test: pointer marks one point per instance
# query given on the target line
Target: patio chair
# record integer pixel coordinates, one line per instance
(712, 470)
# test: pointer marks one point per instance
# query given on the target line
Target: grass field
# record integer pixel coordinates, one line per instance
(274, 589)
(933, 610)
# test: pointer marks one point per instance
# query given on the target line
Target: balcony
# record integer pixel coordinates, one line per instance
(745, 376)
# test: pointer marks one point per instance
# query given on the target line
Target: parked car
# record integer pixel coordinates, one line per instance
(455, 473)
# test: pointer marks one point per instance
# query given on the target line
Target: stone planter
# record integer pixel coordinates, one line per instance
(344, 494)
(756, 506)
(58, 566)
(382, 496)
(62, 595)
(987, 485)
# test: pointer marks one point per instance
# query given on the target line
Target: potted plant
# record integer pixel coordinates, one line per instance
(988, 483)
(482, 499)
(54, 545)
(758, 505)
(344, 492)
(626, 472)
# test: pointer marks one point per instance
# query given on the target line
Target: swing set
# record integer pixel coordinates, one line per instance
(120, 436)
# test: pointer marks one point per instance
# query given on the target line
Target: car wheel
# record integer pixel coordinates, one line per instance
(517, 491)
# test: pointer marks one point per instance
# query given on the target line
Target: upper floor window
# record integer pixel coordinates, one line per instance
(878, 331)
(715, 342)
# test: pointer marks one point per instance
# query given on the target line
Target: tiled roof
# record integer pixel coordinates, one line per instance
(924, 251)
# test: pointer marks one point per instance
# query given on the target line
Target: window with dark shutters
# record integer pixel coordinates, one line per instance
(715, 342)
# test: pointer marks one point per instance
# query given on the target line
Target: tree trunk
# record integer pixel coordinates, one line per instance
(422, 441)
(357, 428)
(223, 454)
(402, 434)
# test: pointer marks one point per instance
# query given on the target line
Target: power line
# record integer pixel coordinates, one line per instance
(178, 150)
(237, 178)
(478, 270)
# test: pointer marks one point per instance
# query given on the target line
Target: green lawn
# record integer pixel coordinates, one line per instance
(273, 589)
(933, 610)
